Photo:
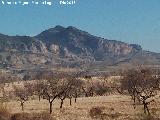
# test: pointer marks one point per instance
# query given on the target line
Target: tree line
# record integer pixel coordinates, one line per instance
(60, 86)
(141, 84)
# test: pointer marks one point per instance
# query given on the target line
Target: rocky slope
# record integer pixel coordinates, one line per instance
(68, 47)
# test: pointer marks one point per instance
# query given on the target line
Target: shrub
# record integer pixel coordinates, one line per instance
(33, 116)
(96, 112)
(20, 116)
(4, 114)
(114, 116)
(147, 117)
(42, 116)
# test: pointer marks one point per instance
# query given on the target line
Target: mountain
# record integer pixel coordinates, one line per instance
(69, 47)
(72, 41)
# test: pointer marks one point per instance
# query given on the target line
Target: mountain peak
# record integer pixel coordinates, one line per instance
(57, 28)
(72, 28)
(51, 31)
(77, 31)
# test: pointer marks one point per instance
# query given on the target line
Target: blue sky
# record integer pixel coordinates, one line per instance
(131, 21)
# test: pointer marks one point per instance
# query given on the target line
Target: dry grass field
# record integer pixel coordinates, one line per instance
(112, 107)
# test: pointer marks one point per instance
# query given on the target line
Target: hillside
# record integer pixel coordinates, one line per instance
(69, 48)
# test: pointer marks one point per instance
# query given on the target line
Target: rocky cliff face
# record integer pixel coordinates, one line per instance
(67, 47)
(72, 41)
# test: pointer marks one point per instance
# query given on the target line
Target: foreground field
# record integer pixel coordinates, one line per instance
(110, 107)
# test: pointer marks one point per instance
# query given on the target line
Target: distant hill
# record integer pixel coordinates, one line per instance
(69, 48)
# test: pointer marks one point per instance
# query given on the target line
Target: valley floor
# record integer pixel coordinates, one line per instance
(116, 107)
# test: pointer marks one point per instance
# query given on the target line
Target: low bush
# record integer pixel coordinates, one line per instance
(4, 114)
(147, 117)
(96, 112)
(33, 116)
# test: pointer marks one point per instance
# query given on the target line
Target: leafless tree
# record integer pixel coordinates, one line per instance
(75, 90)
(77, 93)
(101, 88)
(62, 97)
(141, 85)
(23, 94)
(74, 84)
(130, 82)
(40, 86)
(4, 78)
(56, 87)
(88, 88)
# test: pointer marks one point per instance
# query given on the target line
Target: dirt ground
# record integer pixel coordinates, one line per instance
(114, 107)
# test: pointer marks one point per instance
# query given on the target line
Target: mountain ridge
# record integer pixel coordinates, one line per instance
(69, 47)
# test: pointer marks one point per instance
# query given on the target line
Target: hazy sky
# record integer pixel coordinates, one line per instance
(131, 21)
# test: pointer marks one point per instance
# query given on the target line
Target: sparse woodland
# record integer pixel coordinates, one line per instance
(61, 92)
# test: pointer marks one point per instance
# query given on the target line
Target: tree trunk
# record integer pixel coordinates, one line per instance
(50, 105)
(144, 108)
(92, 94)
(86, 95)
(144, 105)
(70, 101)
(39, 97)
(134, 99)
(75, 100)
(147, 109)
(22, 105)
(61, 103)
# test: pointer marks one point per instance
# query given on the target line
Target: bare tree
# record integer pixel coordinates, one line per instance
(130, 82)
(30, 88)
(5, 79)
(56, 87)
(74, 84)
(75, 89)
(77, 93)
(77, 84)
(141, 85)
(101, 88)
(62, 97)
(88, 88)
(39, 88)
(23, 95)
